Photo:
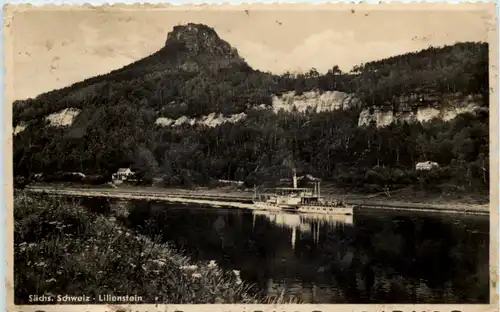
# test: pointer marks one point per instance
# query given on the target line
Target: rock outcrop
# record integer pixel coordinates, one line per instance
(445, 108)
(314, 101)
(63, 118)
(211, 120)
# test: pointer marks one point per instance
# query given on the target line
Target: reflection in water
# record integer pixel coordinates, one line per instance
(305, 227)
(371, 257)
(303, 223)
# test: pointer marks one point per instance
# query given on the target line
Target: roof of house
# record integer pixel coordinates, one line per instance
(123, 170)
(427, 163)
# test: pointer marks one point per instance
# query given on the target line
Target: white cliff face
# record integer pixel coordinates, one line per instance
(315, 100)
(19, 128)
(428, 113)
(211, 120)
(383, 118)
(448, 110)
(63, 118)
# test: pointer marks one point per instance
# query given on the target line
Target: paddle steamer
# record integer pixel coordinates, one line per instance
(302, 200)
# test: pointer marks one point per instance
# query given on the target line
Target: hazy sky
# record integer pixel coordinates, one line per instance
(53, 49)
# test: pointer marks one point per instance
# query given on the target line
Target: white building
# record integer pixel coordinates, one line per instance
(121, 175)
(426, 165)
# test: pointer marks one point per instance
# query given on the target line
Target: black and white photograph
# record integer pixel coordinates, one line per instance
(336, 154)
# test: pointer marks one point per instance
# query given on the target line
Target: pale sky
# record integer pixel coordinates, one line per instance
(53, 49)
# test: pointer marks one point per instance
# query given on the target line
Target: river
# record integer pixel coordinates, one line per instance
(371, 257)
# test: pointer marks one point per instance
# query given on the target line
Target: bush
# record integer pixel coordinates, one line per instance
(61, 248)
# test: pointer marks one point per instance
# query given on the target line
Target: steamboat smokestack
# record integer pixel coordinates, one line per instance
(294, 178)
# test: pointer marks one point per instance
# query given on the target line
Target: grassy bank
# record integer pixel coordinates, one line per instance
(62, 248)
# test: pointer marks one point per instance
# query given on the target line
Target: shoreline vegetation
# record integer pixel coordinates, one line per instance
(63, 248)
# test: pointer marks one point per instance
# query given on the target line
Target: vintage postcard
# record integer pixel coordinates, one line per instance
(280, 157)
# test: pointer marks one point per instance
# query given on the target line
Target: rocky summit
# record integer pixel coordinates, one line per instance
(199, 38)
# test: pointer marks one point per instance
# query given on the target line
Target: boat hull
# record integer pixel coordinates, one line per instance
(272, 206)
(316, 209)
(346, 210)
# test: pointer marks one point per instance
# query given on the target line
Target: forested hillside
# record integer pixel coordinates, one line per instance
(197, 73)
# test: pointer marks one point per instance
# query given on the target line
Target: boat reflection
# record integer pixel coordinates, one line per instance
(304, 223)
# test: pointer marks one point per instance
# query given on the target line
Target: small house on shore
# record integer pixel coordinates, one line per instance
(123, 174)
(426, 165)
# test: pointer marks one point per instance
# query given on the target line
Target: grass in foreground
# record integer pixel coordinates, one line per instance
(62, 248)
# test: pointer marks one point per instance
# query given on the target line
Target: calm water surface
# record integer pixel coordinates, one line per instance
(377, 257)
